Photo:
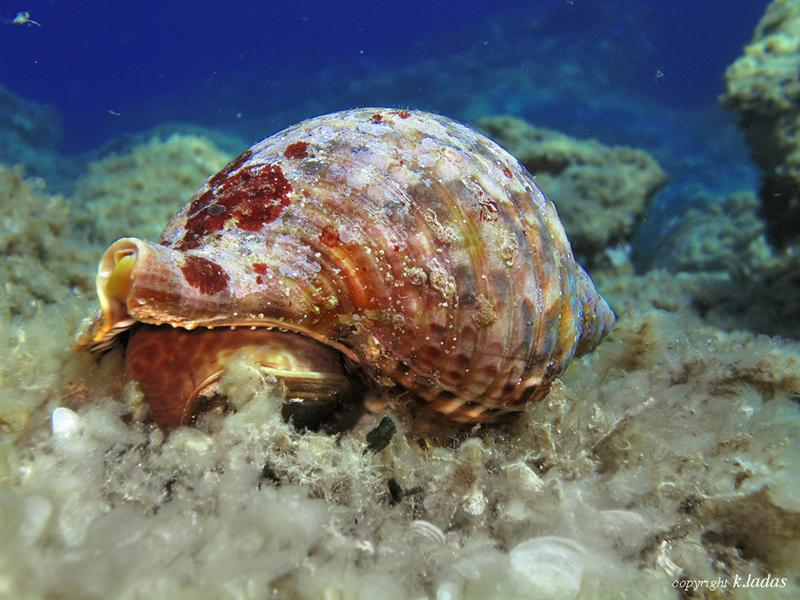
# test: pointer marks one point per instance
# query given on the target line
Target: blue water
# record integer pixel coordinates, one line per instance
(251, 67)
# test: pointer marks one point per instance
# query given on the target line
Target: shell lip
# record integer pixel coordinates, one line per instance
(106, 326)
(113, 317)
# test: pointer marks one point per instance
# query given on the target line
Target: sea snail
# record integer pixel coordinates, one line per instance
(398, 242)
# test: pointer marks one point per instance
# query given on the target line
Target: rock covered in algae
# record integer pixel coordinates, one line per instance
(714, 234)
(134, 192)
(721, 268)
(31, 134)
(43, 260)
(763, 85)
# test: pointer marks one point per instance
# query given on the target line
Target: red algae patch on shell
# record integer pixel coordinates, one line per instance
(252, 196)
(297, 150)
(204, 275)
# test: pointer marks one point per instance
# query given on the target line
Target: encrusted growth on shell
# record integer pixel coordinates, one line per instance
(411, 243)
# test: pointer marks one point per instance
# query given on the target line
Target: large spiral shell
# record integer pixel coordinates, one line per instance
(414, 245)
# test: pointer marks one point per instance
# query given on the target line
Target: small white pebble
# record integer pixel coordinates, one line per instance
(65, 423)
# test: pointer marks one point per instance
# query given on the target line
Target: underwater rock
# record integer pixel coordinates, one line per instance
(754, 286)
(600, 191)
(45, 259)
(134, 192)
(30, 133)
(402, 241)
(763, 86)
(123, 144)
(714, 261)
(715, 234)
(766, 303)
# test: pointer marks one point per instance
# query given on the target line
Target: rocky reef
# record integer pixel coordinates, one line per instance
(602, 191)
(45, 258)
(763, 86)
(715, 261)
(32, 136)
(28, 129)
(136, 191)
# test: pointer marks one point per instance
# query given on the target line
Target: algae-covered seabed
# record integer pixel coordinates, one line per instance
(667, 458)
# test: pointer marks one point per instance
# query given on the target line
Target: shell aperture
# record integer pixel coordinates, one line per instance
(413, 245)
